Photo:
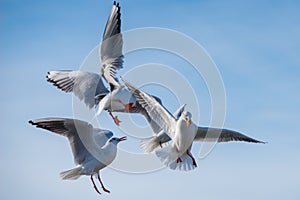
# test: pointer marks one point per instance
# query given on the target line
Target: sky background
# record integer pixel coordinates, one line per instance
(255, 45)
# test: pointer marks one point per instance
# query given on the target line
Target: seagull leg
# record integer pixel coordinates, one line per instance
(128, 107)
(104, 189)
(178, 160)
(115, 118)
(94, 185)
(190, 155)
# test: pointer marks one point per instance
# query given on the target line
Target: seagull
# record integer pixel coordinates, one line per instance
(181, 130)
(119, 98)
(84, 140)
(89, 87)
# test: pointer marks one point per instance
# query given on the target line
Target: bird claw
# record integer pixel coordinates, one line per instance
(178, 160)
(116, 120)
(105, 190)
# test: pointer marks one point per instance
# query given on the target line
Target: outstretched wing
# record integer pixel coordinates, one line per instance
(179, 111)
(111, 47)
(155, 110)
(79, 133)
(84, 85)
(221, 135)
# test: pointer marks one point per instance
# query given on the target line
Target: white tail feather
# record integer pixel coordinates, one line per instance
(71, 174)
(168, 156)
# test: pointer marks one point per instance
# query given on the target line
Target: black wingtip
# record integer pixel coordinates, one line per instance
(257, 141)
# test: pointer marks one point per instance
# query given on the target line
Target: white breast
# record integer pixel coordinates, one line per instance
(184, 135)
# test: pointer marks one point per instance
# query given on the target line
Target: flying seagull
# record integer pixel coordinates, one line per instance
(181, 130)
(85, 142)
(89, 87)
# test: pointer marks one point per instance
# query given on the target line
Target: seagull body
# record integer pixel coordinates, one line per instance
(86, 142)
(184, 134)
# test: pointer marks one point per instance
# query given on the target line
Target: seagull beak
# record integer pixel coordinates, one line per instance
(122, 138)
(188, 122)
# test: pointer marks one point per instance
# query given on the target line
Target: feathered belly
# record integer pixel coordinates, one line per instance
(184, 137)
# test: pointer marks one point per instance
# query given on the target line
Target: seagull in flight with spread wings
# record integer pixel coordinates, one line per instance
(93, 149)
(181, 130)
(89, 87)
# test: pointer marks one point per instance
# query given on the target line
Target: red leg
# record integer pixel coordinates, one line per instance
(104, 189)
(115, 118)
(190, 155)
(128, 107)
(178, 160)
(94, 185)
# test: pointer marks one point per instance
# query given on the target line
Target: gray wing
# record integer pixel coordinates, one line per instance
(70, 128)
(154, 126)
(179, 111)
(102, 136)
(111, 47)
(225, 136)
(156, 111)
(84, 85)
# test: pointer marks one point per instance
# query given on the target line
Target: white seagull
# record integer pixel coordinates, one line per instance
(182, 131)
(96, 142)
(89, 87)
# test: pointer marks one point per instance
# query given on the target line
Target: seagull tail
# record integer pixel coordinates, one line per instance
(71, 174)
(149, 145)
(168, 156)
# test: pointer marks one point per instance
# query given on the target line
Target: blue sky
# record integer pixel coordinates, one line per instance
(255, 45)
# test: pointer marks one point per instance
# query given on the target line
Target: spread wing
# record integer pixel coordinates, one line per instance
(79, 134)
(84, 85)
(155, 110)
(111, 47)
(223, 135)
(179, 111)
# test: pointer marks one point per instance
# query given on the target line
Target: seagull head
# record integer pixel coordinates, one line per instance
(187, 116)
(116, 140)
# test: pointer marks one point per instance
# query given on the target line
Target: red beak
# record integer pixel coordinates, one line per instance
(122, 138)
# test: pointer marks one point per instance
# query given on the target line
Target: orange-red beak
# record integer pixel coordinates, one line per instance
(122, 138)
